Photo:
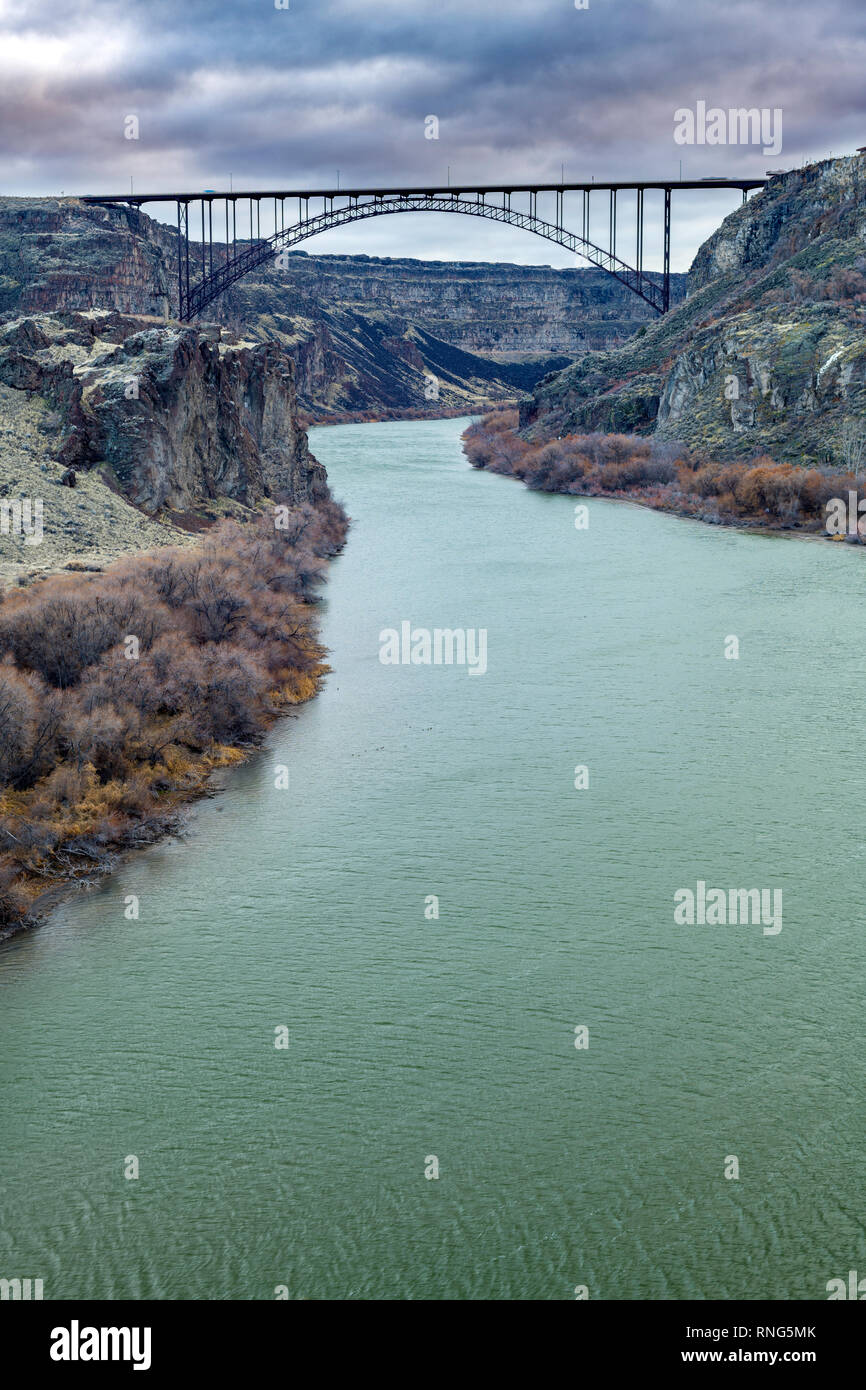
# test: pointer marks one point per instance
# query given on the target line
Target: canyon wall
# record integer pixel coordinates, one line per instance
(368, 335)
(768, 352)
(486, 308)
(60, 253)
(177, 414)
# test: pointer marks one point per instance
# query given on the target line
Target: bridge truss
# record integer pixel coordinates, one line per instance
(206, 267)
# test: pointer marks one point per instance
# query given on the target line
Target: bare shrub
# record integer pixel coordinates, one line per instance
(98, 740)
(668, 473)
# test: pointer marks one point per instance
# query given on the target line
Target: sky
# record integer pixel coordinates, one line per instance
(286, 93)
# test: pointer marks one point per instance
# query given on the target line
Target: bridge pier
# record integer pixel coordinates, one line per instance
(182, 256)
(639, 232)
(666, 287)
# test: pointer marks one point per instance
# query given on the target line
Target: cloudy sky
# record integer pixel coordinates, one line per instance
(286, 97)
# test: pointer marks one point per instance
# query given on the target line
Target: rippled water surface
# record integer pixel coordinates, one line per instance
(455, 1037)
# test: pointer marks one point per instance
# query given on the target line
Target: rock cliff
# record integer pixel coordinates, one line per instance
(177, 415)
(122, 429)
(59, 253)
(766, 354)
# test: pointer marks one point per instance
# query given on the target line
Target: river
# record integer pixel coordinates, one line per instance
(413, 1038)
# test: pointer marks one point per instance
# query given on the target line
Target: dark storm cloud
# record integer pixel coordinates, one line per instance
(288, 96)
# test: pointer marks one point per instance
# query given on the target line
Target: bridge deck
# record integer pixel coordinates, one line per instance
(435, 190)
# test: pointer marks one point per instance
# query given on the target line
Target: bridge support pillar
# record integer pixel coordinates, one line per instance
(639, 238)
(666, 290)
(182, 260)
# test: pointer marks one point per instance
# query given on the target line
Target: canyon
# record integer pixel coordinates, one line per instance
(163, 427)
(764, 356)
(366, 334)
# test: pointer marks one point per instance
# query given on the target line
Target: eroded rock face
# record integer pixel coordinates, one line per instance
(178, 414)
(475, 306)
(59, 253)
(767, 354)
(789, 214)
(787, 381)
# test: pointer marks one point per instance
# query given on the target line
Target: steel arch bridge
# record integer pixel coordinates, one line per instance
(205, 269)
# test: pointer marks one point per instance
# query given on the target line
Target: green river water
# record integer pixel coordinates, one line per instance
(412, 1037)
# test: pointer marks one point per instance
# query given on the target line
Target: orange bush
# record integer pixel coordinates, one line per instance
(659, 471)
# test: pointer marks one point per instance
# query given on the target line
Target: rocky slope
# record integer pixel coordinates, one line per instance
(140, 414)
(82, 528)
(58, 253)
(373, 363)
(498, 309)
(367, 334)
(766, 354)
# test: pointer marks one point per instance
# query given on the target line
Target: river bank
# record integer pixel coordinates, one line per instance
(123, 691)
(381, 417)
(758, 494)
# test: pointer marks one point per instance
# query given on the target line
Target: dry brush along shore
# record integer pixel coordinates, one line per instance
(175, 488)
(667, 476)
(121, 692)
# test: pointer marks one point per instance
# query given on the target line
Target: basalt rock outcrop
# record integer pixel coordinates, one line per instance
(171, 417)
(767, 354)
(60, 253)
